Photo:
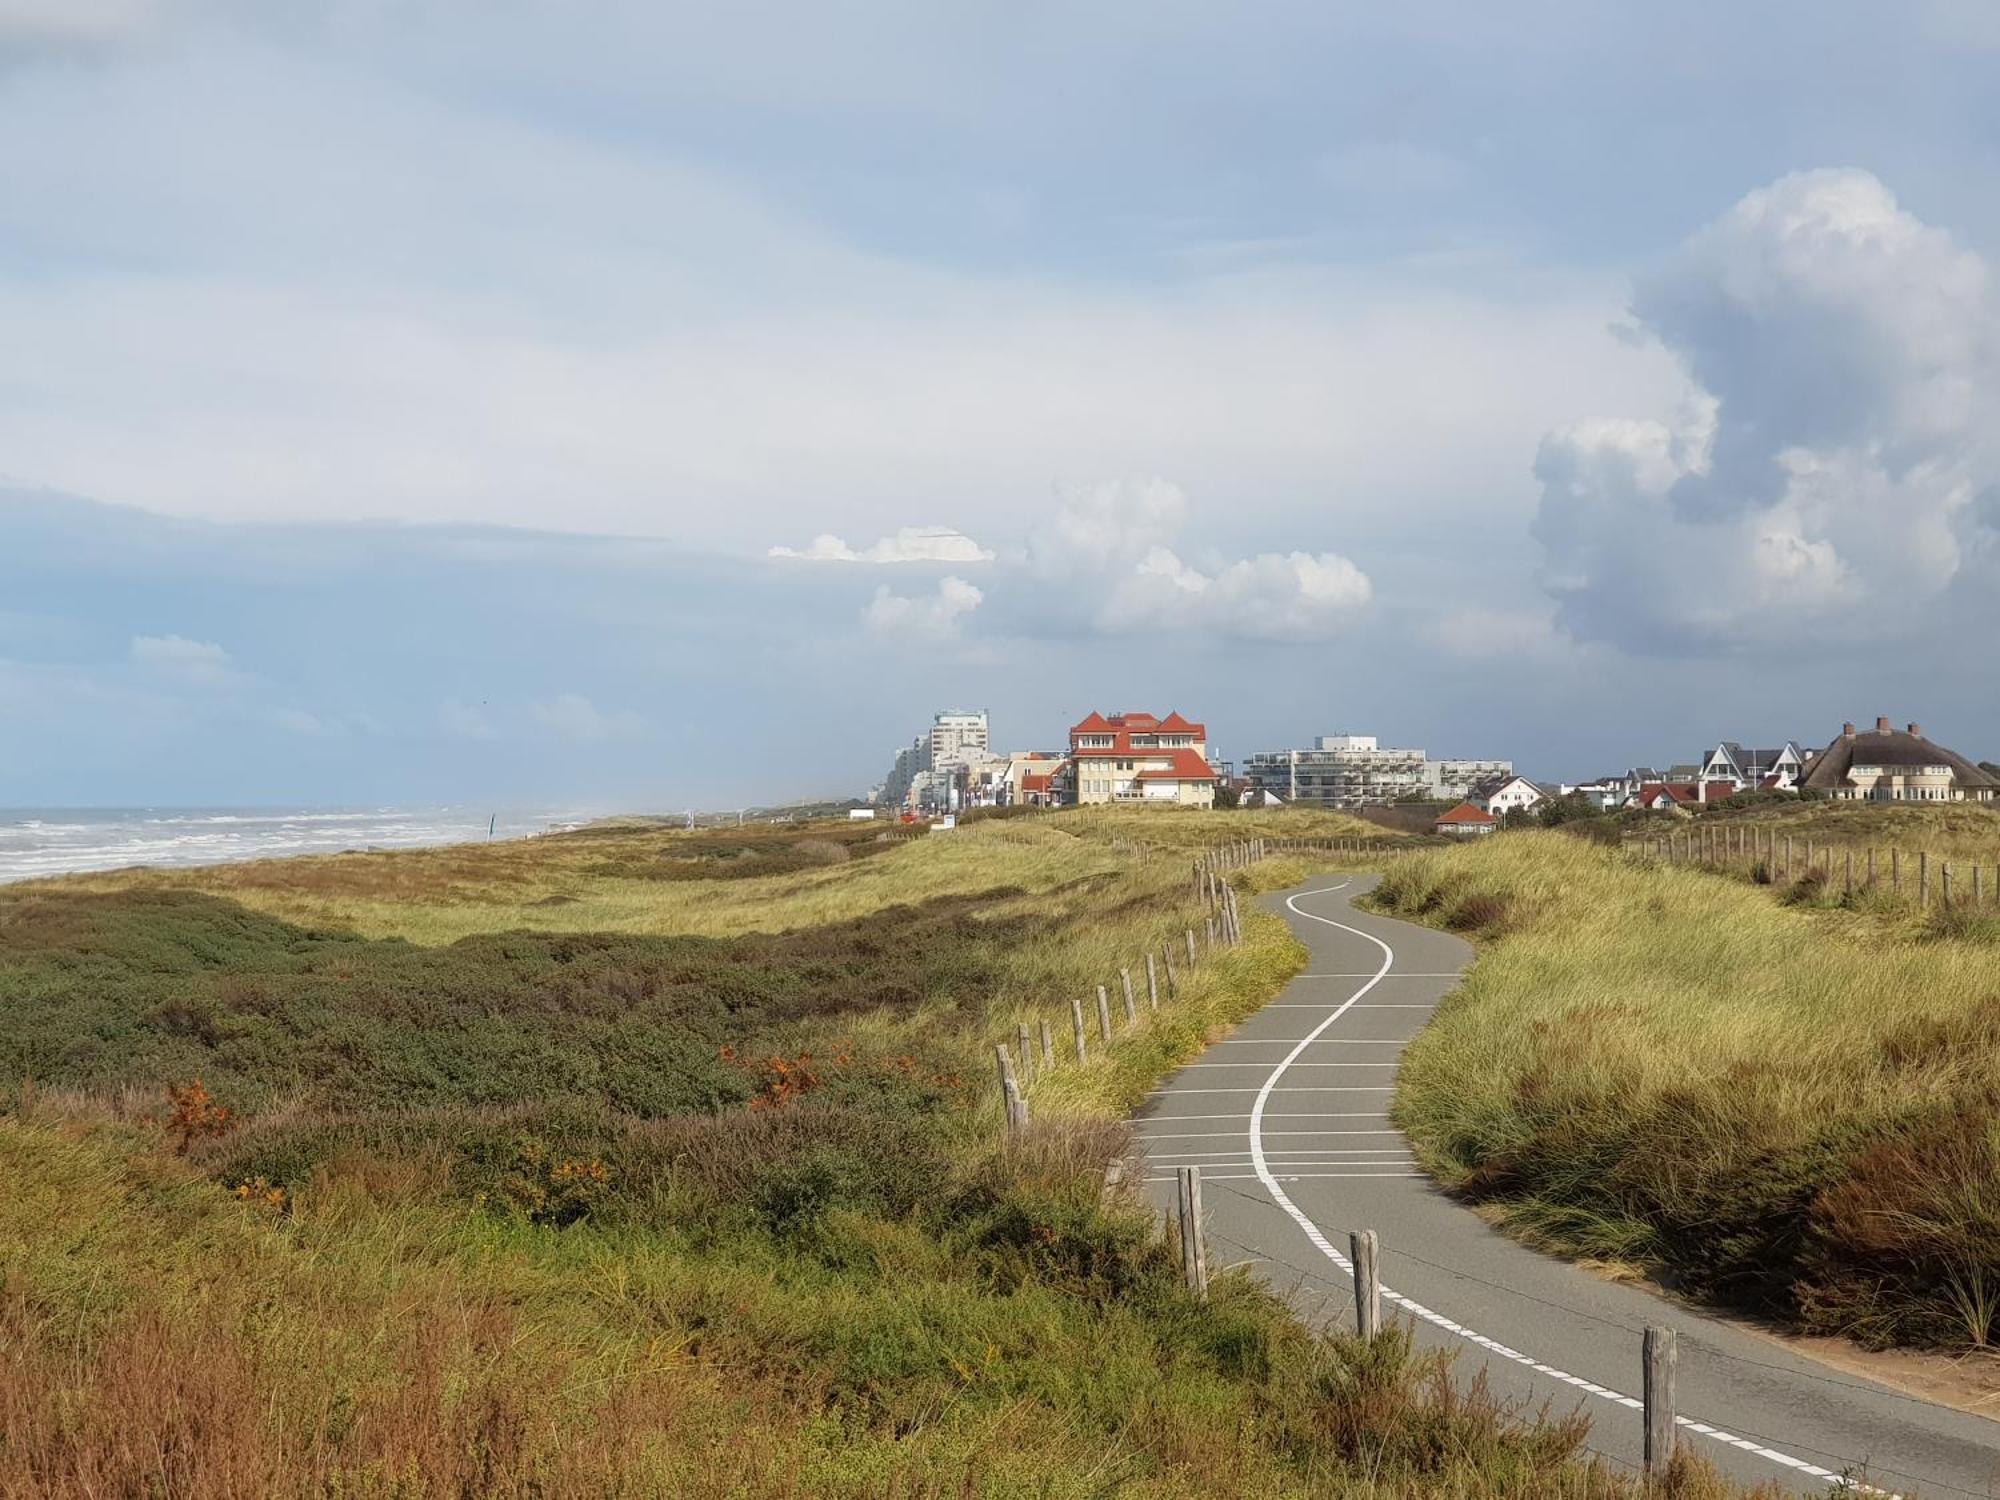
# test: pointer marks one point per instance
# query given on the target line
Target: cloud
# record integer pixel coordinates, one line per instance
(70, 22)
(1480, 634)
(464, 721)
(1826, 461)
(922, 617)
(1273, 596)
(298, 721)
(1109, 547)
(926, 544)
(572, 716)
(177, 657)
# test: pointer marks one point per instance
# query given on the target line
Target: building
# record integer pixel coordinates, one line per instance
(1466, 821)
(1457, 778)
(1512, 794)
(1025, 779)
(958, 736)
(1891, 765)
(1137, 758)
(1354, 770)
(1754, 770)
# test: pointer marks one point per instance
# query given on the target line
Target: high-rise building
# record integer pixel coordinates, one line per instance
(1354, 770)
(957, 736)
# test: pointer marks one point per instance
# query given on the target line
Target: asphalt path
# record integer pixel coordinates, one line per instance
(1288, 1121)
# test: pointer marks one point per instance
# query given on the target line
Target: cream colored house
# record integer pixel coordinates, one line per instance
(1892, 765)
(1137, 759)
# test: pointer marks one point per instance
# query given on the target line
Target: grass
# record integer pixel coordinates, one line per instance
(634, 1163)
(1783, 1100)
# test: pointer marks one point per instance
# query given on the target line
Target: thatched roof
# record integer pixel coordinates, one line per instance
(1883, 746)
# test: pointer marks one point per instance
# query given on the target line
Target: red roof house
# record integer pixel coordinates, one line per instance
(1466, 821)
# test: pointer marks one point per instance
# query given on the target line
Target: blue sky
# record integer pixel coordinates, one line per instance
(406, 401)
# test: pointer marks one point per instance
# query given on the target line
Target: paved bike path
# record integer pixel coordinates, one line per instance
(1287, 1118)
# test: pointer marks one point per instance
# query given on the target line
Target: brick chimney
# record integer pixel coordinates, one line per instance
(1847, 731)
(1916, 732)
(1882, 724)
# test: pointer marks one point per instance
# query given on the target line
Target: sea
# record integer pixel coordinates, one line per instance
(42, 841)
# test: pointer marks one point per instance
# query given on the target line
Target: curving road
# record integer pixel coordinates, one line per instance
(1287, 1120)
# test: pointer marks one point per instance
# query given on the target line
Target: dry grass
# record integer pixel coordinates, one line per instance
(846, 1289)
(1788, 1109)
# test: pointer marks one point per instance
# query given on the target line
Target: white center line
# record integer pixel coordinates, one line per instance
(1320, 1242)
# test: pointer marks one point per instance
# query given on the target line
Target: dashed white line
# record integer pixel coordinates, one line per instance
(1321, 1243)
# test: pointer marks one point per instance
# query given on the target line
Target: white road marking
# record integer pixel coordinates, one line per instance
(1296, 1088)
(1296, 1065)
(1207, 1176)
(1352, 1114)
(1280, 1041)
(1471, 1335)
(1231, 1135)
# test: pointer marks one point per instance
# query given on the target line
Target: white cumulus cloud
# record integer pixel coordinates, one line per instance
(572, 716)
(1841, 354)
(933, 616)
(912, 544)
(1114, 546)
(178, 657)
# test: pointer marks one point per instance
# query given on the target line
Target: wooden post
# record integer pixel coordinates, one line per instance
(1788, 856)
(1850, 872)
(1190, 947)
(1167, 958)
(1896, 870)
(1152, 984)
(1076, 1020)
(1131, 1010)
(1114, 1175)
(1924, 878)
(1194, 1253)
(1211, 934)
(1025, 1039)
(1659, 1400)
(1103, 1014)
(1010, 1093)
(1978, 886)
(1048, 1046)
(1871, 866)
(1944, 872)
(1361, 1248)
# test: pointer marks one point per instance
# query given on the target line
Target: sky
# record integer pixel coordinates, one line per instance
(625, 404)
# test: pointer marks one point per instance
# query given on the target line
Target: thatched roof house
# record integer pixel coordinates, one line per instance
(1895, 765)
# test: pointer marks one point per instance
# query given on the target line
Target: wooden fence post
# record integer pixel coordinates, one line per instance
(1659, 1400)
(1131, 1010)
(1103, 1014)
(1190, 947)
(1114, 1174)
(1944, 874)
(1896, 870)
(1152, 984)
(1048, 1046)
(1194, 1253)
(1924, 878)
(1871, 865)
(1850, 872)
(1788, 856)
(1076, 1020)
(1025, 1039)
(1010, 1093)
(1167, 957)
(1362, 1250)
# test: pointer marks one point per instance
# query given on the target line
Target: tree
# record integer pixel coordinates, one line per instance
(1226, 796)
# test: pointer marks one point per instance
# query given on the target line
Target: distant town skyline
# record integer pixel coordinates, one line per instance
(619, 411)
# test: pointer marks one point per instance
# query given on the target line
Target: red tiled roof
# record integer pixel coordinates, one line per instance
(1031, 782)
(1121, 727)
(1675, 791)
(1465, 812)
(1187, 766)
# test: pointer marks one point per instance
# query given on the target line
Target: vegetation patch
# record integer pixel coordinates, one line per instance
(1790, 1106)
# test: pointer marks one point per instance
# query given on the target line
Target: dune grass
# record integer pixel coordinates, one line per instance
(477, 1198)
(1781, 1100)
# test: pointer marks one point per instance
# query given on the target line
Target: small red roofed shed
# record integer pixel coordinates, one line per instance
(1466, 821)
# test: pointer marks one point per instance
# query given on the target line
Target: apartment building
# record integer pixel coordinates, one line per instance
(958, 736)
(1353, 770)
(1138, 758)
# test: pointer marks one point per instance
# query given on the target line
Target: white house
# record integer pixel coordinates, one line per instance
(1515, 794)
